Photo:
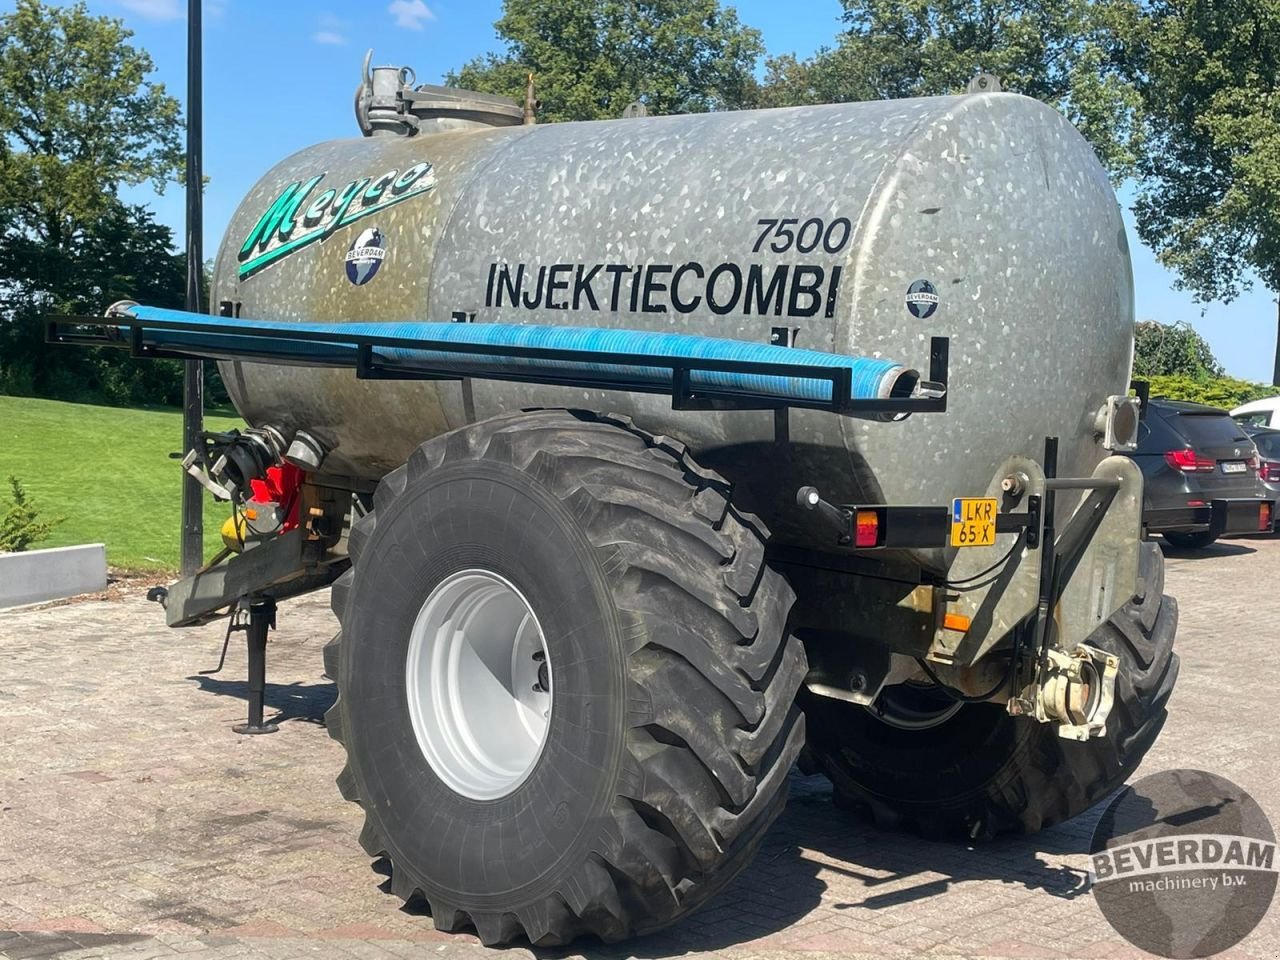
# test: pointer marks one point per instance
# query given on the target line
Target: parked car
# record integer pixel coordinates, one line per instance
(1197, 462)
(1267, 441)
(1259, 413)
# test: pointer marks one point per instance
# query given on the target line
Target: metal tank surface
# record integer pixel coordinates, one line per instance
(862, 229)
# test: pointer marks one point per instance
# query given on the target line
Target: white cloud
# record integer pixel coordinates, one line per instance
(410, 14)
(156, 9)
(332, 32)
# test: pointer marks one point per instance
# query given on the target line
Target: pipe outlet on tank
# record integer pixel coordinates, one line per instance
(389, 102)
(306, 452)
(380, 104)
(1116, 423)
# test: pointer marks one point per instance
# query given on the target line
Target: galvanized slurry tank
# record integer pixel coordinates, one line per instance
(860, 228)
(596, 584)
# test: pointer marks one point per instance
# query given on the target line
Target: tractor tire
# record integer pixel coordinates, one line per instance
(980, 773)
(668, 677)
(1189, 541)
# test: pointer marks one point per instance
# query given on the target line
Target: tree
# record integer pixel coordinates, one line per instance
(592, 58)
(1063, 52)
(1172, 349)
(1226, 393)
(832, 75)
(1179, 364)
(78, 120)
(123, 254)
(20, 523)
(1208, 72)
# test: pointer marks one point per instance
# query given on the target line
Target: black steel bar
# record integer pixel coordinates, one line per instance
(1034, 506)
(1014, 522)
(1083, 483)
(1078, 532)
(797, 370)
(939, 359)
(929, 526)
(193, 369)
(504, 351)
(1275, 374)
(1048, 560)
(300, 359)
(369, 366)
(916, 527)
(705, 398)
(1143, 389)
(262, 618)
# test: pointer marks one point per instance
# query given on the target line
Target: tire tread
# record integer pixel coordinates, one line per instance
(712, 662)
(1049, 780)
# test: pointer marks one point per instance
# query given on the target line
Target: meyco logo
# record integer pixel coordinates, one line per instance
(288, 226)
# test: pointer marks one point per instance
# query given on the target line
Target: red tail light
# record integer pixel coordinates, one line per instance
(1270, 471)
(1264, 517)
(1188, 461)
(866, 528)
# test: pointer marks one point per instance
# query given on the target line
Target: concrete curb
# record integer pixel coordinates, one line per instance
(38, 575)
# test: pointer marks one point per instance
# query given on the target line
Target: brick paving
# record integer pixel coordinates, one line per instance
(135, 824)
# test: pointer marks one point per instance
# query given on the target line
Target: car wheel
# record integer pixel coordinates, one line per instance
(1190, 541)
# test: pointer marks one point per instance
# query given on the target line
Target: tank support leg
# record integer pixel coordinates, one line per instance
(262, 618)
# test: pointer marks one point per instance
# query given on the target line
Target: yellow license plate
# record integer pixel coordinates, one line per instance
(973, 522)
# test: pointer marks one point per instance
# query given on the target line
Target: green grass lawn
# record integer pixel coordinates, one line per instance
(107, 470)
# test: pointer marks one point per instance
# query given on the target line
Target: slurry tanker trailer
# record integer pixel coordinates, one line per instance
(648, 457)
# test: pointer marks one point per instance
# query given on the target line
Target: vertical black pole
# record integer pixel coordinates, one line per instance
(1275, 374)
(193, 376)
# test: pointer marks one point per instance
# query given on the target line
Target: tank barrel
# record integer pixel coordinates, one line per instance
(851, 230)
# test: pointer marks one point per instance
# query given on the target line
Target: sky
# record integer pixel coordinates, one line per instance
(281, 75)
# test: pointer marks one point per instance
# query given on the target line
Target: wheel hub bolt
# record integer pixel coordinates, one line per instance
(544, 679)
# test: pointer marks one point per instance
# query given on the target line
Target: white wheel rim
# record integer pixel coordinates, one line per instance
(478, 679)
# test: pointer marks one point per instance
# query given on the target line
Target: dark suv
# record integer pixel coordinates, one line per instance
(1201, 475)
(1268, 443)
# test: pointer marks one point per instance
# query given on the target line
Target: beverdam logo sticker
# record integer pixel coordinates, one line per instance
(365, 257)
(922, 299)
(1183, 864)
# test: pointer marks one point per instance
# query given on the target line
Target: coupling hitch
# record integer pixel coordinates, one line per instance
(1075, 690)
(226, 462)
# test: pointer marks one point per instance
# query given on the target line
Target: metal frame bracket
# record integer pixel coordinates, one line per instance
(359, 352)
